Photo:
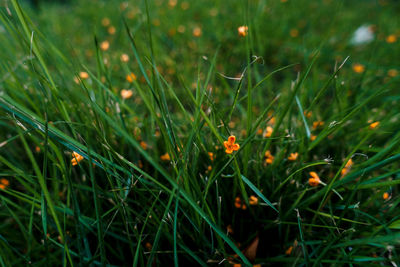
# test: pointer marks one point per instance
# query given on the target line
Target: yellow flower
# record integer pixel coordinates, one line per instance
(293, 156)
(230, 145)
(125, 94)
(131, 77)
(358, 68)
(76, 158)
(242, 30)
(314, 179)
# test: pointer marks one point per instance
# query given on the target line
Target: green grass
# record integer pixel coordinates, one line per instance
(198, 82)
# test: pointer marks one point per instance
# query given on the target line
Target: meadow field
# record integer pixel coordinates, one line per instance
(200, 133)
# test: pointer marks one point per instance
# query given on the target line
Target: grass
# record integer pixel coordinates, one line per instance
(98, 168)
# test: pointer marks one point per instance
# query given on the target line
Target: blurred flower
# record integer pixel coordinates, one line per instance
(76, 158)
(308, 114)
(165, 157)
(253, 200)
(185, 5)
(105, 22)
(385, 195)
(124, 58)
(293, 156)
(391, 39)
(131, 77)
(143, 144)
(104, 45)
(111, 30)
(313, 137)
(4, 183)
(230, 145)
(211, 155)
(181, 28)
(358, 68)
(347, 167)
(268, 132)
(242, 31)
(392, 73)
(125, 94)
(294, 33)
(197, 31)
(314, 179)
(363, 35)
(83, 75)
(269, 159)
(316, 124)
(172, 3)
(289, 250)
(374, 125)
(239, 204)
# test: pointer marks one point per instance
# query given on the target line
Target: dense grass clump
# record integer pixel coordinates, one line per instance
(208, 133)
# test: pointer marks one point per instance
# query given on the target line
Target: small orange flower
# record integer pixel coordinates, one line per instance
(111, 30)
(347, 167)
(2, 187)
(37, 149)
(392, 73)
(314, 180)
(143, 144)
(230, 145)
(104, 45)
(253, 200)
(148, 246)
(76, 158)
(165, 157)
(125, 94)
(105, 22)
(391, 39)
(239, 204)
(293, 156)
(242, 31)
(316, 124)
(211, 155)
(289, 250)
(308, 114)
(269, 159)
(197, 31)
(358, 68)
(313, 137)
(268, 132)
(124, 58)
(5, 182)
(83, 75)
(131, 77)
(294, 33)
(385, 195)
(374, 125)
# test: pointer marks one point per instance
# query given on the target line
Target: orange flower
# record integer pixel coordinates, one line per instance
(131, 77)
(293, 156)
(111, 30)
(316, 124)
(374, 125)
(197, 31)
(385, 195)
(76, 158)
(391, 39)
(124, 58)
(230, 145)
(253, 200)
(239, 204)
(347, 167)
(105, 22)
(294, 33)
(229, 229)
(165, 157)
(5, 182)
(104, 45)
(211, 155)
(143, 144)
(242, 31)
(308, 114)
(83, 75)
(269, 159)
(392, 73)
(313, 137)
(268, 132)
(314, 179)
(358, 68)
(289, 250)
(125, 94)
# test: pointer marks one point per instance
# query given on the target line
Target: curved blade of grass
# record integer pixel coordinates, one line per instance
(258, 192)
